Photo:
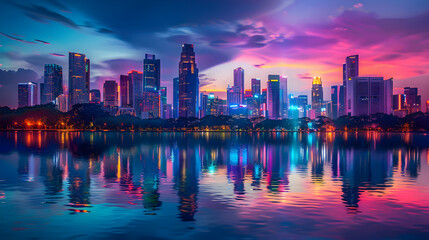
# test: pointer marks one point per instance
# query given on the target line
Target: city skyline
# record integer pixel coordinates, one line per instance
(288, 42)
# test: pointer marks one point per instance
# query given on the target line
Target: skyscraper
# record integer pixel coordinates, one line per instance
(233, 96)
(42, 94)
(151, 73)
(188, 82)
(126, 91)
(335, 101)
(175, 97)
(110, 93)
(27, 94)
(136, 78)
(273, 97)
(53, 83)
(256, 86)
(163, 99)
(368, 95)
(350, 70)
(239, 81)
(283, 97)
(78, 91)
(412, 100)
(94, 96)
(317, 95)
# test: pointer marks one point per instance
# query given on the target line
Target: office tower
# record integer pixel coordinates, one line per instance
(263, 103)
(88, 75)
(78, 91)
(95, 96)
(42, 94)
(203, 105)
(350, 70)
(351, 67)
(302, 102)
(398, 102)
(368, 95)
(167, 111)
(239, 81)
(110, 93)
(151, 105)
(126, 91)
(273, 97)
(136, 78)
(163, 99)
(341, 100)
(412, 100)
(175, 97)
(151, 73)
(283, 97)
(188, 82)
(256, 86)
(53, 83)
(27, 94)
(388, 95)
(317, 95)
(233, 96)
(335, 101)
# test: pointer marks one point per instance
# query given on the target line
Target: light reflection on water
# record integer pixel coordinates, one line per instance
(213, 185)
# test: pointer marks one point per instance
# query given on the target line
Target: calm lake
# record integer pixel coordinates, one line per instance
(123, 185)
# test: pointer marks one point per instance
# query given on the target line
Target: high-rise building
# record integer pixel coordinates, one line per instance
(163, 97)
(53, 83)
(412, 100)
(203, 105)
(27, 94)
(88, 75)
(427, 106)
(78, 90)
(239, 81)
(152, 73)
(283, 97)
(151, 105)
(110, 93)
(335, 97)
(167, 111)
(273, 97)
(126, 91)
(233, 96)
(175, 97)
(368, 95)
(188, 82)
(317, 95)
(256, 86)
(62, 102)
(350, 70)
(388, 95)
(263, 103)
(398, 102)
(95, 96)
(136, 78)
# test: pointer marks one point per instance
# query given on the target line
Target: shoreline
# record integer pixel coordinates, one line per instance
(203, 131)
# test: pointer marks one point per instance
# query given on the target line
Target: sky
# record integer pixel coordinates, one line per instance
(296, 38)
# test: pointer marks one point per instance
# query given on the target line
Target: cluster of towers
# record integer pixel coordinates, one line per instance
(139, 93)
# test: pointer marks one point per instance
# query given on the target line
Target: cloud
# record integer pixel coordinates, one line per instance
(305, 76)
(16, 39)
(58, 5)
(57, 54)
(358, 5)
(41, 41)
(42, 14)
(9, 81)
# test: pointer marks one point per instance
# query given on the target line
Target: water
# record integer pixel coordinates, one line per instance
(110, 185)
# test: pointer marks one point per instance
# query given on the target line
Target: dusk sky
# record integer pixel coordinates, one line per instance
(296, 38)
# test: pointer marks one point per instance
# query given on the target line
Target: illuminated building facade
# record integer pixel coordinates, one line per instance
(188, 82)
(95, 96)
(79, 72)
(283, 97)
(239, 81)
(152, 73)
(256, 86)
(136, 78)
(175, 97)
(273, 97)
(126, 91)
(317, 95)
(110, 93)
(53, 83)
(27, 94)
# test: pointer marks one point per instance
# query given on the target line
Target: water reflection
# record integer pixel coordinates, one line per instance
(193, 175)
